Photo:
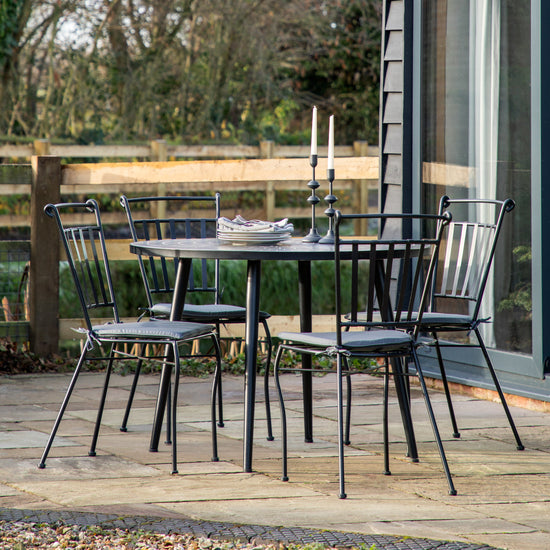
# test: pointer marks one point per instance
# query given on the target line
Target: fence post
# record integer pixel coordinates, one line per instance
(159, 153)
(44, 268)
(41, 146)
(159, 150)
(361, 188)
(267, 151)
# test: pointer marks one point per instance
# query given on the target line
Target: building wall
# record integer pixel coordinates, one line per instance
(403, 153)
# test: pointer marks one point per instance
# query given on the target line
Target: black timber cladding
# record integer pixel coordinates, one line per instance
(396, 107)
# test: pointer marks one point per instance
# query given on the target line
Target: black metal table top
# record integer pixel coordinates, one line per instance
(290, 249)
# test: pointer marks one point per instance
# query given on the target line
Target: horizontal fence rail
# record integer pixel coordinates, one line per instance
(160, 178)
(160, 150)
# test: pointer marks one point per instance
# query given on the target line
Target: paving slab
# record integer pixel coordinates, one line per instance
(113, 416)
(69, 427)
(532, 515)
(35, 453)
(7, 491)
(8, 395)
(67, 469)
(9, 413)
(317, 511)
(28, 438)
(529, 540)
(163, 489)
(498, 489)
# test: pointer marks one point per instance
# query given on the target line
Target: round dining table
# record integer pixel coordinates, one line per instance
(254, 254)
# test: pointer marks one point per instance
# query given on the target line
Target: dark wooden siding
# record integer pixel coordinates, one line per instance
(395, 107)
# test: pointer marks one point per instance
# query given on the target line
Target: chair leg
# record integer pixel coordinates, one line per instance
(386, 419)
(284, 476)
(174, 408)
(101, 407)
(215, 386)
(339, 373)
(456, 433)
(220, 389)
(266, 382)
(347, 440)
(452, 490)
(169, 416)
(168, 409)
(124, 425)
(64, 404)
(519, 444)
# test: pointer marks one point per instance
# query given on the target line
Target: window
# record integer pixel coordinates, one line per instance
(476, 137)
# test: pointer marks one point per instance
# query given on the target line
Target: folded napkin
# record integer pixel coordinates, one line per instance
(240, 224)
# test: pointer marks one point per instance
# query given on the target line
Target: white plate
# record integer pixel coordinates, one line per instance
(255, 238)
(254, 232)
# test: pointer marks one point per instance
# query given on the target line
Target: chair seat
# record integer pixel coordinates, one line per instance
(369, 340)
(441, 320)
(174, 330)
(430, 318)
(207, 312)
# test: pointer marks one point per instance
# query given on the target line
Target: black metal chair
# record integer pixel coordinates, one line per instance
(392, 277)
(187, 217)
(462, 273)
(85, 248)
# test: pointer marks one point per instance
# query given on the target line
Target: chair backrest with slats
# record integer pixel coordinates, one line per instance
(468, 248)
(83, 240)
(385, 282)
(152, 218)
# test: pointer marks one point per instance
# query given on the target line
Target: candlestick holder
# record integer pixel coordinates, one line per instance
(330, 199)
(313, 236)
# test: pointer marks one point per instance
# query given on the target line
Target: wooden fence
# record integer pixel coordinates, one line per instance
(160, 150)
(288, 171)
(47, 180)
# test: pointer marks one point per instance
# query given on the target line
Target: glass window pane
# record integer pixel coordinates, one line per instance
(477, 137)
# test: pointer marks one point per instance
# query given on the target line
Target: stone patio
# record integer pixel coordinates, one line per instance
(503, 495)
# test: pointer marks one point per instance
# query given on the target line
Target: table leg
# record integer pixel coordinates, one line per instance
(403, 399)
(397, 367)
(304, 283)
(178, 301)
(251, 346)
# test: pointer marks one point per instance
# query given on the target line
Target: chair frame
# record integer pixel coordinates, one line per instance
(156, 228)
(467, 285)
(86, 253)
(392, 336)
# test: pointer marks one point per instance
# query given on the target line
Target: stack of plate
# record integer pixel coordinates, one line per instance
(253, 237)
(241, 231)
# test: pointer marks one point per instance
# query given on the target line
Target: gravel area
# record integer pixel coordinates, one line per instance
(26, 535)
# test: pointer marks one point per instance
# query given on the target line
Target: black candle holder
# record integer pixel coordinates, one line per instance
(313, 236)
(330, 199)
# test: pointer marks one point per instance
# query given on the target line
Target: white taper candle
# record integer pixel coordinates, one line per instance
(314, 132)
(330, 164)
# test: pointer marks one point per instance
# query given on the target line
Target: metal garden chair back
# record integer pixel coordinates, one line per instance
(187, 217)
(175, 218)
(468, 249)
(463, 271)
(388, 287)
(393, 278)
(84, 243)
(86, 254)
